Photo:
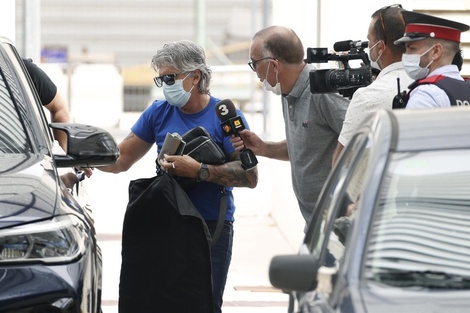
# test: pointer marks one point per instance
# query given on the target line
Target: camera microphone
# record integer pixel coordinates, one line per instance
(231, 124)
(344, 45)
(347, 45)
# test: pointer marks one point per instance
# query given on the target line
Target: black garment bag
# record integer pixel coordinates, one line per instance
(166, 265)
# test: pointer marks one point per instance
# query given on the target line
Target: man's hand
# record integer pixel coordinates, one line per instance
(88, 171)
(180, 165)
(237, 143)
(248, 140)
(69, 179)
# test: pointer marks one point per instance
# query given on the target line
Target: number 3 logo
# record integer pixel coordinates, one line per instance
(223, 109)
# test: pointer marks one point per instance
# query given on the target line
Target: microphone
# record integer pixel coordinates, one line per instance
(227, 114)
(347, 45)
(344, 45)
(231, 124)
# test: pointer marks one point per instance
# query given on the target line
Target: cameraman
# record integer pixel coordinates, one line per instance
(385, 27)
(312, 121)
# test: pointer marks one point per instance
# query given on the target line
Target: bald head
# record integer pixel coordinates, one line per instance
(281, 43)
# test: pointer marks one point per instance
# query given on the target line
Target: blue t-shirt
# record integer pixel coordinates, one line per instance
(161, 118)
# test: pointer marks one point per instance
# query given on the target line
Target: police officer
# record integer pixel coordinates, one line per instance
(433, 58)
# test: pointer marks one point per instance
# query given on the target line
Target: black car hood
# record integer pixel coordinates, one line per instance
(28, 189)
(415, 300)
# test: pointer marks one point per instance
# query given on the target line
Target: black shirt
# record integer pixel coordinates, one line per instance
(44, 85)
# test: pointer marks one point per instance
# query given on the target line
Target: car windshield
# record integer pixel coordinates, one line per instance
(13, 138)
(420, 232)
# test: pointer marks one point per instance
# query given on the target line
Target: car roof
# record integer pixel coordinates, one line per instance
(4, 39)
(426, 129)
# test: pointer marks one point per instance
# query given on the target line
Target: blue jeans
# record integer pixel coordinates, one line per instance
(221, 255)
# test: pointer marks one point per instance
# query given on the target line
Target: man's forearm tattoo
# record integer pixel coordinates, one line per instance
(232, 174)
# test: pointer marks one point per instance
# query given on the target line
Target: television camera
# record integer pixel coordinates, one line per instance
(345, 80)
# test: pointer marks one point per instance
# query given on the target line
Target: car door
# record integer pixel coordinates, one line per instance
(327, 232)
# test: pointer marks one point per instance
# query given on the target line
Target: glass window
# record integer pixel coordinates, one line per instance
(420, 235)
(338, 201)
(13, 138)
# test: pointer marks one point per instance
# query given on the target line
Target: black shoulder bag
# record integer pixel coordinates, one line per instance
(201, 147)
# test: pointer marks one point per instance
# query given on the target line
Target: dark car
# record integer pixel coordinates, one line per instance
(49, 257)
(392, 228)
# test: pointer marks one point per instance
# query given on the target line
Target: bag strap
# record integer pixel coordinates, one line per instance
(222, 210)
(221, 219)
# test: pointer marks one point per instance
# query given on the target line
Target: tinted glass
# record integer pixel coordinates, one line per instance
(13, 137)
(338, 200)
(420, 234)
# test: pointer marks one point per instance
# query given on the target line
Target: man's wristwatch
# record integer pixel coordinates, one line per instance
(203, 173)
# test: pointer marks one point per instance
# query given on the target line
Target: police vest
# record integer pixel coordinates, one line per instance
(458, 91)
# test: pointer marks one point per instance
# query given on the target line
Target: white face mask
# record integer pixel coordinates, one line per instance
(411, 65)
(267, 86)
(175, 94)
(375, 63)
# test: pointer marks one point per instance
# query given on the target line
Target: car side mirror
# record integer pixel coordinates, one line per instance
(87, 146)
(294, 272)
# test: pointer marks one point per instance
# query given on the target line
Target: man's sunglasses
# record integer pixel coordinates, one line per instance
(168, 79)
(382, 20)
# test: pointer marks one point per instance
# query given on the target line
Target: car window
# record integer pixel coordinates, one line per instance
(338, 201)
(13, 138)
(420, 231)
